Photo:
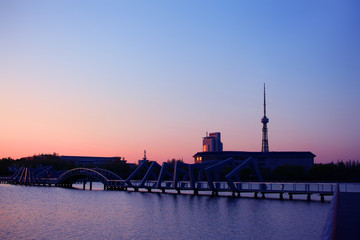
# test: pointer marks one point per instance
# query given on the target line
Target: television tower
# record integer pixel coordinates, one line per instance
(265, 120)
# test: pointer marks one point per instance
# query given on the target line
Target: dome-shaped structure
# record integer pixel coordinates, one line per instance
(264, 120)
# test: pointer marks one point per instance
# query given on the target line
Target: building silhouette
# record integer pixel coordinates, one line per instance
(144, 159)
(212, 142)
(213, 151)
(86, 161)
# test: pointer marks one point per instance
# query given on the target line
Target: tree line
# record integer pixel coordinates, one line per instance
(340, 171)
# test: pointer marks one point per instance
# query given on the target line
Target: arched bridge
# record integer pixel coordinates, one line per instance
(98, 174)
(49, 176)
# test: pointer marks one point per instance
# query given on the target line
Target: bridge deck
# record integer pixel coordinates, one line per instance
(300, 192)
(347, 224)
(190, 180)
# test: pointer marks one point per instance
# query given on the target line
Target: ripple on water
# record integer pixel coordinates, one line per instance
(57, 213)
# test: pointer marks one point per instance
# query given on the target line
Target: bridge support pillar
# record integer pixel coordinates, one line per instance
(322, 198)
(178, 191)
(136, 189)
(196, 192)
(84, 184)
(263, 195)
(290, 196)
(309, 197)
(239, 195)
(149, 189)
(215, 193)
(90, 184)
(255, 195)
(281, 196)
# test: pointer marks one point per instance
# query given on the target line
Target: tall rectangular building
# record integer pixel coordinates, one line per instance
(212, 143)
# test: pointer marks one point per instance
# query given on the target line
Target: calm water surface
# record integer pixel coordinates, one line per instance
(58, 213)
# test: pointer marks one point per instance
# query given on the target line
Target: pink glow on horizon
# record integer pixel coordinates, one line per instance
(116, 79)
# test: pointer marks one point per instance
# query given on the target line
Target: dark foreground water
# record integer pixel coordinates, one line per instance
(58, 213)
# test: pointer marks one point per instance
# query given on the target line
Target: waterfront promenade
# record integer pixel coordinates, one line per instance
(344, 216)
(347, 216)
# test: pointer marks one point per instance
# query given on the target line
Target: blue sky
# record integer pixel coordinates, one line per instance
(117, 77)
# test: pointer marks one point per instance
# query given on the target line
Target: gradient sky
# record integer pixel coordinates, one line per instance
(112, 78)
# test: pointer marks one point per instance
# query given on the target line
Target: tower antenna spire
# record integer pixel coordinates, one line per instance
(265, 120)
(264, 101)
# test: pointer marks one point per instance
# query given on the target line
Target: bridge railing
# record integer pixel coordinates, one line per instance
(328, 229)
(286, 187)
(48, 180)
(276, 187)
(244, 186)
(117, 183)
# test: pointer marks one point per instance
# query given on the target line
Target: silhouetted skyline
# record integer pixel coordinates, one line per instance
(115, 78)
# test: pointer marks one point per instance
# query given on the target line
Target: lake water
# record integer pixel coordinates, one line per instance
(59, 213)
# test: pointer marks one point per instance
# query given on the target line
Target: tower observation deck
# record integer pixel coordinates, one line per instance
(264, 121)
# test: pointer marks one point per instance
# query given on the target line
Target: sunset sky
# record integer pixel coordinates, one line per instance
(112, 78)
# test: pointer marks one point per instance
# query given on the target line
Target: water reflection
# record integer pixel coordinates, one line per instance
(57, 213)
